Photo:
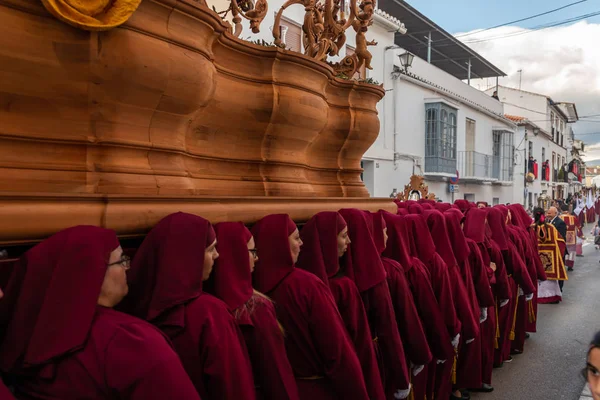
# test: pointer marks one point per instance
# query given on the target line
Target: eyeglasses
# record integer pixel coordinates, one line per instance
(124, 262)
(254, 252)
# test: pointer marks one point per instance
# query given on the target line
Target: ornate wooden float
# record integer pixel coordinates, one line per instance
(168, 112)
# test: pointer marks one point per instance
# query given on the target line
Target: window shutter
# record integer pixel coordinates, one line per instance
(293, 36)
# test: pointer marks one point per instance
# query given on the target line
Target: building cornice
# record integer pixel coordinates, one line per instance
(410, 77)
(388, 21)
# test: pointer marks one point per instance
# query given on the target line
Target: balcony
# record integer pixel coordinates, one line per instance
(440, 166)
(475, 166)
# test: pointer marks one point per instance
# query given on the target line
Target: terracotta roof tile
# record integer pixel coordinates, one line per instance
(515, 118)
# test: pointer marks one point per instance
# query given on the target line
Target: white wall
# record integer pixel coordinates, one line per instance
(524, 104)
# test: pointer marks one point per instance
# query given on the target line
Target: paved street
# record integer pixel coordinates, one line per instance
(550, 367)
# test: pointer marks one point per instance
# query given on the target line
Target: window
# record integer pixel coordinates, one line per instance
(291, 35)
(362, 72)
(440, 138)
(552, 119)
(543, 154)
(495, 201)
(503, 153)
(470, 132)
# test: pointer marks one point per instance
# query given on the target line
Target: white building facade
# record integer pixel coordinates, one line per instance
(544, 144)
(431, 122)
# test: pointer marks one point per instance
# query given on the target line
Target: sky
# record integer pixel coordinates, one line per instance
(562, 62)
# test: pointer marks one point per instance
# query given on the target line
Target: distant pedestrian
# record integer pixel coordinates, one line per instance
(592, 369)
(596, 233)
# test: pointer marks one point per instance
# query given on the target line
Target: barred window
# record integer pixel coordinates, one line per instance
(440, 138)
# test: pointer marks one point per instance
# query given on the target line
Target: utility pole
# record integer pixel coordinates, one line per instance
(520, 77)
(469, 72)
(429, 41)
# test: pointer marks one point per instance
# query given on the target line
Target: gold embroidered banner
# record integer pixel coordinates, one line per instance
(571, 223)
(551, 251)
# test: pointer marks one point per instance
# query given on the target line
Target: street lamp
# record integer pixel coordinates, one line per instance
(406, 60)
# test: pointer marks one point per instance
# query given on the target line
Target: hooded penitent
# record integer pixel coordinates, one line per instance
(320, 256)
(317, 345)
(425, 300)
(409, 323)
(60, 342)
(166, 289)
(463, 299)
(363, 264)
(319, 253)
(231, 281)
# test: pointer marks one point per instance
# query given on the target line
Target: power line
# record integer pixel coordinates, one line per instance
(524, 31)
(522, 19)
(508, 23)
(535, 29)
(513, 34)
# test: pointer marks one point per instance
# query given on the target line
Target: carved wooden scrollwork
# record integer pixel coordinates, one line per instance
(324, 31)
(416, 190)
(253, 11)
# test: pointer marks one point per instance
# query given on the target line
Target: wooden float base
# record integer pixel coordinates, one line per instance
(27, 218)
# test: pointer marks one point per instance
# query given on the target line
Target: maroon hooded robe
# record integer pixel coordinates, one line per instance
(474, 230)
(363, 265)
(520, 218)
(60, 344)
(5, 394)
(426, 303)
(166, 290)
(319, 255)
(470, 367)
(409, 323)
(231, 281)
(462, 289)
(318, 347)
(525, 309)
(518, 278)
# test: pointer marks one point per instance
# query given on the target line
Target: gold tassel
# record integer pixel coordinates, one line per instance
(454, 367)
(512, 331)
(411, 394)
(496, 344)
(531, 313)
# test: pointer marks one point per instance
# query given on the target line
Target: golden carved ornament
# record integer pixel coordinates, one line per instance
(416, 190)
(92, 15)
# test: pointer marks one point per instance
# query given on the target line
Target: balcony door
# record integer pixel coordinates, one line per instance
(497, 146)
(470, 148)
